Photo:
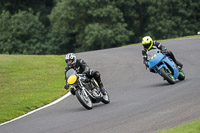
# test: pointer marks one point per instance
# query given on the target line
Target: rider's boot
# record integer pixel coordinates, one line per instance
(103, 91)
(179, 64)
(171, 55)
(97, 77)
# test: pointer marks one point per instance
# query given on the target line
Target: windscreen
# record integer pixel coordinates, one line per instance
(70, 72)
(151, 54)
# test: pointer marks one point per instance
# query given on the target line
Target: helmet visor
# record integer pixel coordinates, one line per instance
(69, 61)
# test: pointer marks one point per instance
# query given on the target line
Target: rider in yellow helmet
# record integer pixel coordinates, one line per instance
(149, 44)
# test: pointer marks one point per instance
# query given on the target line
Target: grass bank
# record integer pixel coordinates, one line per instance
(191, 127)
(28, 82)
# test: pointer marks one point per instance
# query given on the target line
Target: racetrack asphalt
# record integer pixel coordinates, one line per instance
(141, 102)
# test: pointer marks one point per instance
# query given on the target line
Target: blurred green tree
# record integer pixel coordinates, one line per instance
(43, 7)
(94, 24)
(22, 33)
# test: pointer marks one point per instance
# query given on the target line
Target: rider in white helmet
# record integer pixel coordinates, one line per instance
(149, 44)
(81, 68)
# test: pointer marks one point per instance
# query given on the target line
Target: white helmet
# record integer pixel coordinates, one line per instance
(70, 56)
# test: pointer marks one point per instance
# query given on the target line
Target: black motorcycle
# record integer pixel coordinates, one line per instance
(86, 90)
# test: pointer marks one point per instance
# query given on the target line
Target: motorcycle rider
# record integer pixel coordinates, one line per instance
(81, 67)
(149, 44)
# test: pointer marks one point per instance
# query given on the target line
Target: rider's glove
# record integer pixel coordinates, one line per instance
(66, 86)
(146, 64)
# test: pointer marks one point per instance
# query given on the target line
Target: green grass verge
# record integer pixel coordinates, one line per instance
(193, 36)
(191, 127)
(28, 82)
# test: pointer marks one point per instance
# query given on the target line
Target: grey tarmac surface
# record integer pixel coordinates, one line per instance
(141, 102)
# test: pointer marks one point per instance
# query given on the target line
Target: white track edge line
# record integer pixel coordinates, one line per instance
(31, 112)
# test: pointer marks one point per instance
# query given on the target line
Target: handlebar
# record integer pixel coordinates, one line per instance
(82, 74)
(84, 77)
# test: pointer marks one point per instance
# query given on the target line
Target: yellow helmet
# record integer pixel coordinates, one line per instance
(147, 42)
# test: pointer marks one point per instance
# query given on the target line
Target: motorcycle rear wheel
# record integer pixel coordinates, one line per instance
(167, 76)
(181, 75)
(84, 99)
(106, 98)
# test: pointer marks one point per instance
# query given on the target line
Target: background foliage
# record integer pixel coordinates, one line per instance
(62, 26)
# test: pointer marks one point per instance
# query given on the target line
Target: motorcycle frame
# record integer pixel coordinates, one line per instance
(86, 91)
(162, 60)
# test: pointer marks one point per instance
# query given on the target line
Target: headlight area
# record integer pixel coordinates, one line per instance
(72, 79)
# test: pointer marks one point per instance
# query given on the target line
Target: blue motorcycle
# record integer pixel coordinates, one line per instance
(164, 66)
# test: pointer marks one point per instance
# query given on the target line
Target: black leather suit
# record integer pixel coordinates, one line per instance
(81, 67)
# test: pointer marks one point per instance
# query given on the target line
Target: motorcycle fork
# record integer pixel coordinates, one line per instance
(83, 88)
(160, 64)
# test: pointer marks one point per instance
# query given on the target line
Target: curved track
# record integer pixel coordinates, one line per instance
(141, 102)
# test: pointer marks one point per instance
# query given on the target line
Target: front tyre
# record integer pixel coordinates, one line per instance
(84, 99)
(168, 76)
(106, 98)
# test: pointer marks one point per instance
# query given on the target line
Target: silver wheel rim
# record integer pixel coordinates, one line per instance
(86, 99)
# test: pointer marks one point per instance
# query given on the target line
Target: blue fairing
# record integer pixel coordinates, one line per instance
(156, 59)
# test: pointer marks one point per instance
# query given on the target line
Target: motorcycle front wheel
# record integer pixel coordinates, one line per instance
(168, 76)
(84, 99)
